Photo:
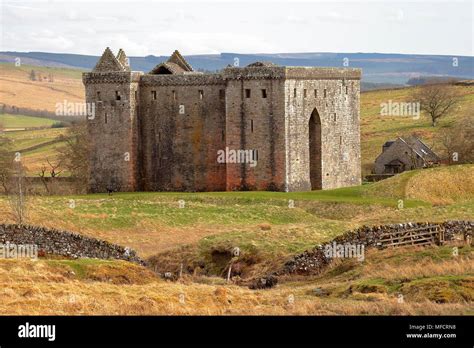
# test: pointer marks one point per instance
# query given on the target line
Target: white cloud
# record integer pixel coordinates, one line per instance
(142, 28)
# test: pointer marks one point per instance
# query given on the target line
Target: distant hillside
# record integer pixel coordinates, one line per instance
(377, 68)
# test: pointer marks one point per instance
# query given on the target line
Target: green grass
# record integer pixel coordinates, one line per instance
(377, 129)
(21, 121)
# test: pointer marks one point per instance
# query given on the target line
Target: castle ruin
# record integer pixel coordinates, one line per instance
(259, 127)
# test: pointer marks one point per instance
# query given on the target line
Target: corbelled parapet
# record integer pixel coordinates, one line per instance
(261, 70)
(309, 73)
(254, 71)
(111, 77)
(182, 80)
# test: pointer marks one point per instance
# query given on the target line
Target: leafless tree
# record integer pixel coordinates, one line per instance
(53, 173)
(75, 156)
(437, 100)
(6, 161)
(17, 194)
(458, 141)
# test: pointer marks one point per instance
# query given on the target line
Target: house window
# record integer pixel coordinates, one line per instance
(304, 93)
(201, 94)
(264, 93)
(315, 93)
(105, 118)
(325, 93)
(153, 95)
(251, 126)
(221, 93)
(294, 93)
(247, 93)
(347, 89)
(117, 95)
(334, 117)
(174, 95)
(98, 96)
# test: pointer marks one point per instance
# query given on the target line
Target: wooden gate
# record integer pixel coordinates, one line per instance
(433, 234)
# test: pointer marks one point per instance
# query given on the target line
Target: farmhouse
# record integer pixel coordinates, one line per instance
(402, 154)
(166, 130)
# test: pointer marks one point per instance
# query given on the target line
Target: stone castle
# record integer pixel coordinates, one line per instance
(259, 127)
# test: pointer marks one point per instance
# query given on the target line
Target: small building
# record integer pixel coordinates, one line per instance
(403, 154)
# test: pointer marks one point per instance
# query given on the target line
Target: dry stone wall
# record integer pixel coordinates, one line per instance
(313, 261)
(56, 242)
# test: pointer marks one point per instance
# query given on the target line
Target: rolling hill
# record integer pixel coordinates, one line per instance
(378, 68)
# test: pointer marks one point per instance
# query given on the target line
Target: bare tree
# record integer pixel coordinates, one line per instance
(458, 141)
(6, 161)
(18, 194)
(437, 100)
(53, 173)
(75, 156)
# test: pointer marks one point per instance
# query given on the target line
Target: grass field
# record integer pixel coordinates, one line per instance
(17, 89)
(20, 121)
(431, 281)
(377, 129)
(36, 148)
(262, 224)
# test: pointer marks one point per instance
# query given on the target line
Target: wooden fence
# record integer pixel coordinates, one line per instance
(433, 234)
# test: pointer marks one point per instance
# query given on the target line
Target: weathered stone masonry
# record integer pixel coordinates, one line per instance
(162, 131)
(55, 242)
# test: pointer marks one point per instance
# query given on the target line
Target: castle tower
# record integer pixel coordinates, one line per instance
(113, 128)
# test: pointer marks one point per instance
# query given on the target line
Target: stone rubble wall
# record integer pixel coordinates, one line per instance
(313, 261)
(56, 242)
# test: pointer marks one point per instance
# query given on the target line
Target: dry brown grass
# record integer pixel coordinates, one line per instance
(17, 89)
(39, 288)
(442, 186)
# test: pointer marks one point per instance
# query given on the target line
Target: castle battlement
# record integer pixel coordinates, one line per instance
(291, 128)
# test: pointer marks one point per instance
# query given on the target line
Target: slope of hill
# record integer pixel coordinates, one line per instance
(444, 185)
(377, 129)
(51, 86)
(431, 280)
(381, 68)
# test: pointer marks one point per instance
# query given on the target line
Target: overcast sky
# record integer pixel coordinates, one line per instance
(159, 27)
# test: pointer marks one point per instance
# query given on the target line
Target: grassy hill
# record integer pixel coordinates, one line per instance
(430, 279)
(377, 129)
(19, 90)
(36, 146)
(260, 222)
(19, 122)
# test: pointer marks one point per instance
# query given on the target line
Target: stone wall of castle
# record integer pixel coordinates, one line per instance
(113, 130)
(182, 129)
(332, 97)
(162, 131)
(255, 114)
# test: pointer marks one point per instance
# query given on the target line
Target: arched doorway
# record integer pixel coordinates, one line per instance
(314, 128)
